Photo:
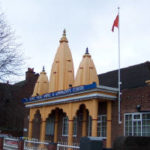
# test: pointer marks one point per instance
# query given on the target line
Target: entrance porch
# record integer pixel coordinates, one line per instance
(67, 118)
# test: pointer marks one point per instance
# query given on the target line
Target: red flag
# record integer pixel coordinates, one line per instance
(116, 23)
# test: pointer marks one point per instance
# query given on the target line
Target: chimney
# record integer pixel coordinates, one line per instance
(30, 74)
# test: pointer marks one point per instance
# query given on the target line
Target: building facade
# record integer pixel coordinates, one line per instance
(67, 108)
(12, 110)
(135, 100)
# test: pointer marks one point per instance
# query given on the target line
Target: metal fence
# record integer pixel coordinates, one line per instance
(35, 145)
(13, 144)
(66, 147)
(10, 143)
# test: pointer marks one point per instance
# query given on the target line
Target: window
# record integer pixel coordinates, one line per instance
(65, 126)
(101, 126)
(50, 126)
(137, 124)
(146, 124)
(75, 126)
(89, 126)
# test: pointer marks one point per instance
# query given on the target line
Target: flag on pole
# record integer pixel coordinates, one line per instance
(116, 23)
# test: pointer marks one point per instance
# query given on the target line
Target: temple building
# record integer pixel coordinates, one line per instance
(66, 108)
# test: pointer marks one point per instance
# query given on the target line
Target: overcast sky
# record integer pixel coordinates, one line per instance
(39, 24)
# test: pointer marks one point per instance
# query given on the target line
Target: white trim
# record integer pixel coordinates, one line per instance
(67, 146)
(73, 99)
(89, 126)
(75, 118)
(65, 117)
(100, 121)
(133, 120)
(99, 88)
(111, 89)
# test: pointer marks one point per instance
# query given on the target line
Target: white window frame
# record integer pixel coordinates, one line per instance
(75, 126)
(134, 120)
(89, 126)
(101, 121)
(64, 119)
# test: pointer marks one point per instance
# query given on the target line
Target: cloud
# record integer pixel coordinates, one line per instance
(39, 25)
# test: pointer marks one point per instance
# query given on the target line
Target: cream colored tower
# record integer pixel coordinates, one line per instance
(41, 86)
(62, 73)
(86, 73)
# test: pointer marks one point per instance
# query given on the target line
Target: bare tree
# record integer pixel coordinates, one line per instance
(11, 59)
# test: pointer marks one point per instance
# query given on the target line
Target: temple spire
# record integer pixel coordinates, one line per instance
(86, 73)
(62, 72)
(41, 86)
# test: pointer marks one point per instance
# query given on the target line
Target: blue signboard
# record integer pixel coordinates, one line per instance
(60, 93)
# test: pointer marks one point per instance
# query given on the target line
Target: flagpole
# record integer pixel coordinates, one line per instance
(119, 83)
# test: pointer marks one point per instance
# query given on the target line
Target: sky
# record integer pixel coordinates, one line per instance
(39, 24)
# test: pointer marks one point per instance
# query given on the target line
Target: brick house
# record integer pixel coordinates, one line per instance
(12, 110)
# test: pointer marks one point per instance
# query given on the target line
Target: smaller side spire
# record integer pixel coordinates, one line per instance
(41, 86)
(86, 73)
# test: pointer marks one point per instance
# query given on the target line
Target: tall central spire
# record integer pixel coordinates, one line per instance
(62, 72)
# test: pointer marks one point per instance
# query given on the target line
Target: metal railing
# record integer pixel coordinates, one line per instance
(35, 145)
(65, 147)
(11, 143)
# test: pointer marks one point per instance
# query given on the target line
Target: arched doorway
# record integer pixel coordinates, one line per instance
(57, 126)
(62, 127)
(50, 124)
(84, 123)
(36, 125)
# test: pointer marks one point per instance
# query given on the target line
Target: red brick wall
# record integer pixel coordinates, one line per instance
(129, 100)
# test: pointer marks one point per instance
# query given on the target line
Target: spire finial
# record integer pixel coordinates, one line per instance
(64, 32)
(87, 51)
(43, 69)
(64, 39)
